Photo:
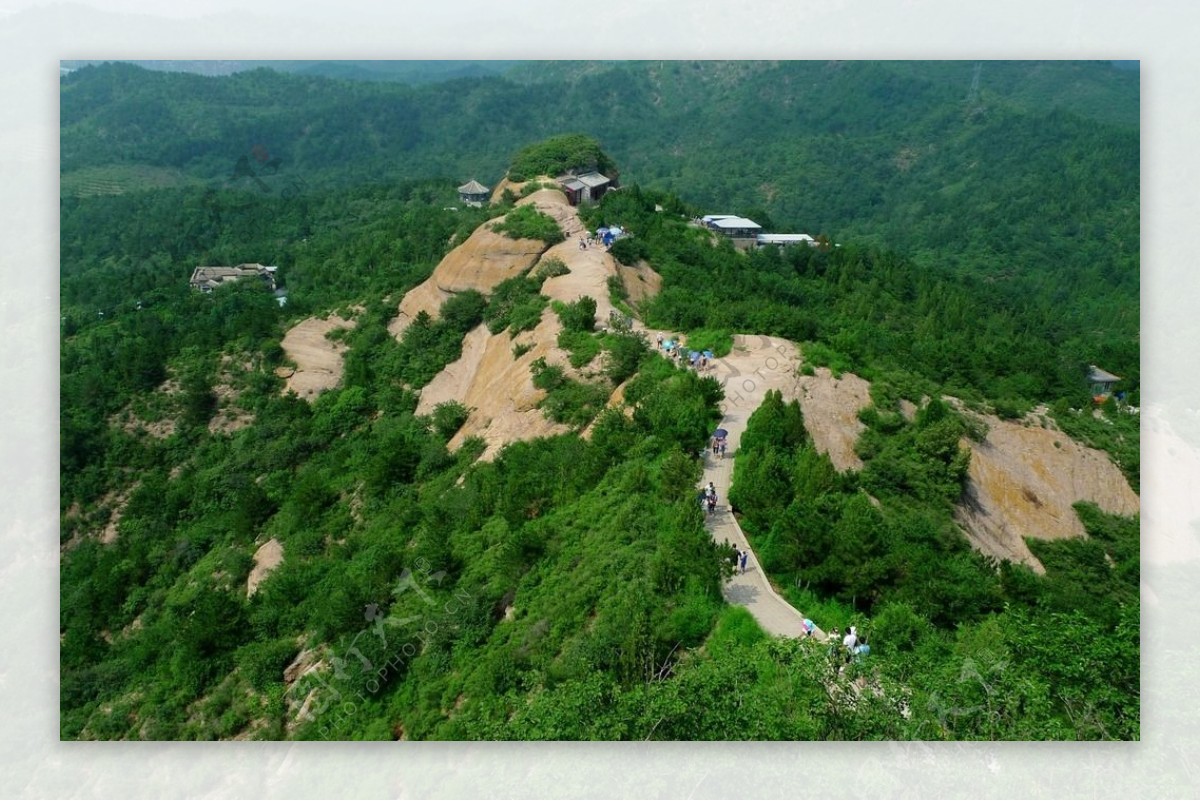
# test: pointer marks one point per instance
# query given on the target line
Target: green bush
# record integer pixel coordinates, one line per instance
(571, 402)
(579, 315)
(559, 154)
(718, 341)
(551, 268)
(448, 417)
(263, 662)
(583, 347)
(821, 355)
(526, 222)
(626, 353)
(629, 250)
(515, 305)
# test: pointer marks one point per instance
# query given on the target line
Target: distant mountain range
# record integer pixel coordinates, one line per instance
(411, 72)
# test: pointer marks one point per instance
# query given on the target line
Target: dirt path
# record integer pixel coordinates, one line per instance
(590, 268)
(755, 365)
(318, 359)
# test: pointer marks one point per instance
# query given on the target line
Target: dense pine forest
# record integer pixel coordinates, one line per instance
(978, 241)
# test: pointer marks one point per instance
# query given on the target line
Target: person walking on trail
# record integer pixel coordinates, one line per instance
(861, 650)
(712, 504)
(722, 449)
(744, 554)
(850, 641)
(808, 627)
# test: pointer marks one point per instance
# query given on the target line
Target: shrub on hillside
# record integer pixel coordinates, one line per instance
(515, 305)
(629, 250)
(526, 222)
(578, 316)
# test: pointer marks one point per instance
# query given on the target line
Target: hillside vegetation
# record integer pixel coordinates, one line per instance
(566, 587)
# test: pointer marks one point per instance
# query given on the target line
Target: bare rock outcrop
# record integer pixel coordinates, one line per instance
(318, 359)
(268, 557)
(831, 406)
(1022, 482)
(497, 386)
(481, 262)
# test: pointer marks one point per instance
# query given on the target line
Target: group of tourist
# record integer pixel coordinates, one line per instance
(708, 498)
(853, 645)
(701, 361)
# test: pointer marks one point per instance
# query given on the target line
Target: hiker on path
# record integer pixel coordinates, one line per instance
(861, 650)
(850, 641)
(712, 504)
(744, 554)
(722, 449)
(808, 627)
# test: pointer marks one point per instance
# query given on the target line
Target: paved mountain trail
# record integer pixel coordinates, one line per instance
(755, 365)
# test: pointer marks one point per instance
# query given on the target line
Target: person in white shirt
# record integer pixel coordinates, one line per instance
(851, 639)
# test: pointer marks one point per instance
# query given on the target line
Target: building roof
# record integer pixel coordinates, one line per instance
(214, 276)
(783, 239)
(1098, 375)
(592, 179)
(473, 187)
(712, 217)
(572, 184)
(734, 222)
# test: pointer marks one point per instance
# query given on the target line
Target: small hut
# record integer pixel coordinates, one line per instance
(1102, 382)
(473, 193)
(585, 187)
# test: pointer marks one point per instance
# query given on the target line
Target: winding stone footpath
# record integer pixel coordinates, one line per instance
(755, 365)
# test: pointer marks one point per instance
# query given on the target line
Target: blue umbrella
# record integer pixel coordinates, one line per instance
(708, 354)
(720, 433)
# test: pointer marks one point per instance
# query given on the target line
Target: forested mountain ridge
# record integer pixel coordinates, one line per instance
(568, 588)
(1036, 169)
